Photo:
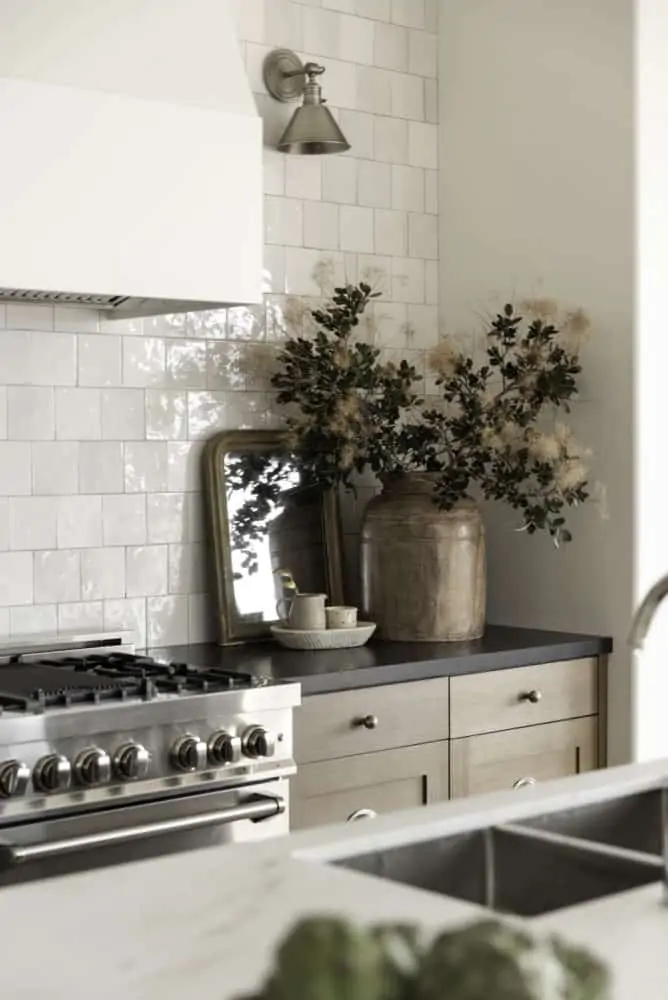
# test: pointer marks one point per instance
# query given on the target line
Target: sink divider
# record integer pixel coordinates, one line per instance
(595, 847)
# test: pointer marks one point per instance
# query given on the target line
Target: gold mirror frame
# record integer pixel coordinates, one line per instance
(230, 630)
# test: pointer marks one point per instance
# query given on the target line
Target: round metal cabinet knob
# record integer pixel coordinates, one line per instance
(92, 767)
(224, 748)
(258, 742)
(52, 773)
(367, 722)
(14, 778)
(132, 761)
(189, 753)
(531, 696)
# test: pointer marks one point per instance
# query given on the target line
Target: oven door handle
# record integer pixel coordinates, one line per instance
(256, 809)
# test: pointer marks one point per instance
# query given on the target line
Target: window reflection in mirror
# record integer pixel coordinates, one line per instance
(275, 523)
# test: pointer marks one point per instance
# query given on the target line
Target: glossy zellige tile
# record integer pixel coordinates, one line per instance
(102, 573)
(78, 414)
(100, 360)
(79, 522)
(16, 578)
(356, 39)
(15, 468)
(146, 570)
(407, 96)
(81, 616)
(167, 619)
(167, 517)
(357, 229)
(145, 466)
(57, 576)
(30, 413)
(411, 13)
(381, 10)
(408, 188)
(391, 47)
(55, 467)
(35, 620)
(53, 358)
(124, 519)
(423, 53)
(166, 414)
(303, 177)
(143, 361)
(32, 523)
(101, 467)
(374, 184)
(129, 614)
(339, 180)
(321, 225)
(123, 414)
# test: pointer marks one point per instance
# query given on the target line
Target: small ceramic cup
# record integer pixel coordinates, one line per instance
(304, 612)
(338, 617)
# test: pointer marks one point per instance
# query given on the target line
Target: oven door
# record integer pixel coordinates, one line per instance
(122, 834)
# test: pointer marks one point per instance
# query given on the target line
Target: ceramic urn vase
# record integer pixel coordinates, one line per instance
(423, 569)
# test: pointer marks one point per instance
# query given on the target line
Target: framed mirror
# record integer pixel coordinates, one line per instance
(266, 526)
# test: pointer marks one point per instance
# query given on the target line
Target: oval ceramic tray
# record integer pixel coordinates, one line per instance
(323, 638)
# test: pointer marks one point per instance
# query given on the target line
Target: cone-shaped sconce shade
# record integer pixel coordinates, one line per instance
(312, 129)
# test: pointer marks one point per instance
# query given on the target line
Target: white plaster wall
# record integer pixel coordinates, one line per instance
(537, 198)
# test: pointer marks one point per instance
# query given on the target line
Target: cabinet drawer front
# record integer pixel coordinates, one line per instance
(330, 725)
(523, 696)
(334, 791)
(520, 757)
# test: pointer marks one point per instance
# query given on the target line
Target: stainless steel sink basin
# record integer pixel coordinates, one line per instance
(511, 870)
(633, 822)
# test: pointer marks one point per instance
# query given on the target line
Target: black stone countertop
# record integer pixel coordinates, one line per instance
(391, 662)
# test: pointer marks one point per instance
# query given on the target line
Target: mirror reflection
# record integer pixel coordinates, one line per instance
(271, 533)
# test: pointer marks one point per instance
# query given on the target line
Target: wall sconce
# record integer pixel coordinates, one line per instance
(312, 130)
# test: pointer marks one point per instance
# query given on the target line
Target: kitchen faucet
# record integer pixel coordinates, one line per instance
(644, 616)
(640, 626)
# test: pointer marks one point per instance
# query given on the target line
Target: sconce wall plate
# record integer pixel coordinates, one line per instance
(284, 75)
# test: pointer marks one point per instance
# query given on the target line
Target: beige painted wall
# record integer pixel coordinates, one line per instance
(537, 197)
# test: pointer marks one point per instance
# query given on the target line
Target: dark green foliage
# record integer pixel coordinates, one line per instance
(349, 411)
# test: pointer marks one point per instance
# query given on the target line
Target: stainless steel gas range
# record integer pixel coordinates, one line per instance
(108, 757)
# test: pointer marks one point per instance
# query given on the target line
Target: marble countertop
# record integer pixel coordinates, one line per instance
(392, 662)
(206, 923)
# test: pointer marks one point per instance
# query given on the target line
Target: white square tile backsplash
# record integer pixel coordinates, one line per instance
(102, 421)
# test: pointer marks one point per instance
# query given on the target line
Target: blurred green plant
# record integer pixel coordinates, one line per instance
(324, 958)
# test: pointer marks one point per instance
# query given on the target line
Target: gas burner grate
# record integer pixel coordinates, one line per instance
(62, 681)
(166, 678)
(48, 684)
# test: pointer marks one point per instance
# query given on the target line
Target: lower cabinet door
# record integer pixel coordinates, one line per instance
(517, 758)
(359, 787)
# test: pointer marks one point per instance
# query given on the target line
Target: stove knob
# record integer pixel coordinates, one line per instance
(259, 742)
(92, 767)
(189, 753)
(14, 778)
(131, 762)
(223, 748)
(52, 773)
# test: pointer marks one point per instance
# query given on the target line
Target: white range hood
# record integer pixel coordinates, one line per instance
(130, 156)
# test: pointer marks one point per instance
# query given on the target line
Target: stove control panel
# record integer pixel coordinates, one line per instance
(14, 779)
